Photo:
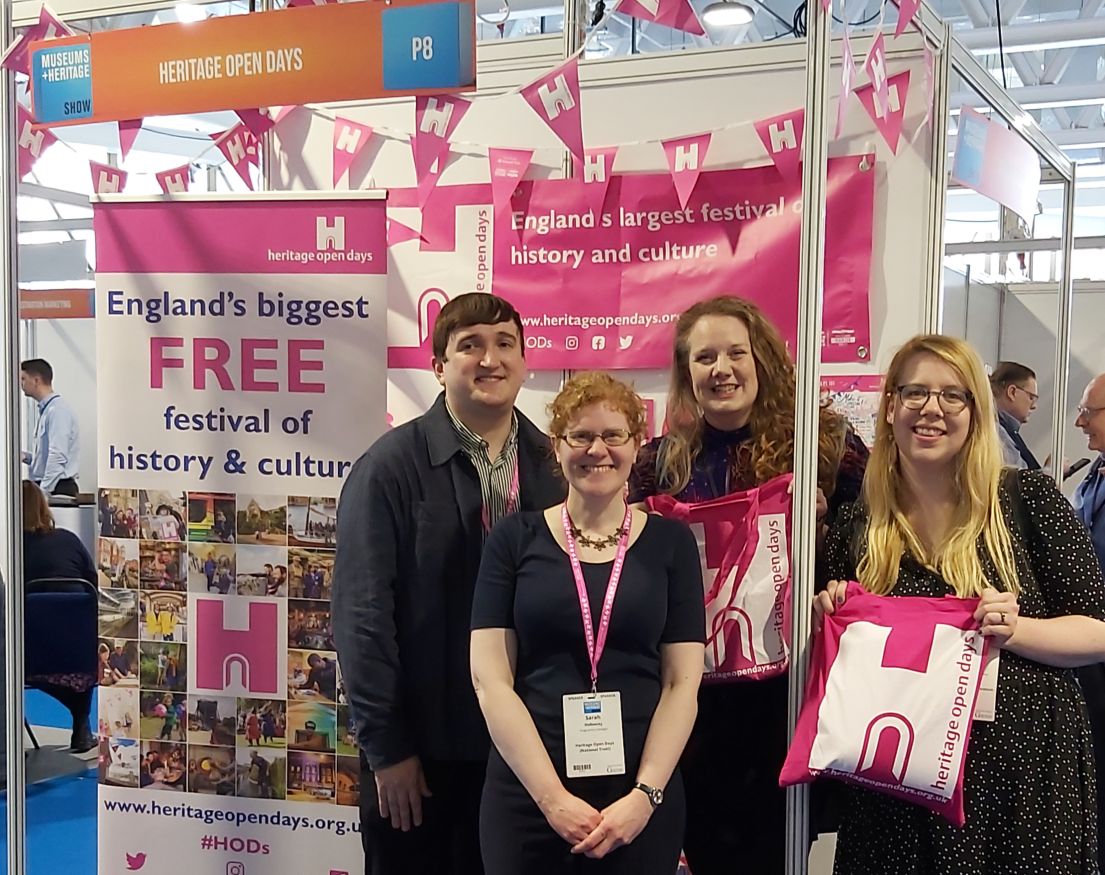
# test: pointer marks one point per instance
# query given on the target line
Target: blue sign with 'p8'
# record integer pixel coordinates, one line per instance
(428, 46)
(62, 80)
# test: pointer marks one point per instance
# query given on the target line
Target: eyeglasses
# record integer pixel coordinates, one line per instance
(1088, 411)
(915, 397)
(612, 437)
(1032, 395)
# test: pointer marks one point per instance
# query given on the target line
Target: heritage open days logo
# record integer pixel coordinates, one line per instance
(329, 246)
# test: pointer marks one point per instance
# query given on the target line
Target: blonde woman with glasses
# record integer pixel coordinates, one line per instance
(940, 516)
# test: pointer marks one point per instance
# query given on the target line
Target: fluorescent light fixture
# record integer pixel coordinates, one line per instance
(728, 13)
(189, 12)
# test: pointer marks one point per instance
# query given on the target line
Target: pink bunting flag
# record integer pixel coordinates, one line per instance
(30, 143)
(241, 149)
(555, 98)
(508, 168)
(782, 138)
(930, 81)
(175, 180)
(17, 56)
(128, 133)
(875, 67)
(259, 121)
(435, 119)
(686, 156)
(106, 179)
(825, 5)
(906, 10)
(282, 112)
(676, 14)
(350, 138)
(400, 233)
(847, 82)
(595, 175)
(889, 123)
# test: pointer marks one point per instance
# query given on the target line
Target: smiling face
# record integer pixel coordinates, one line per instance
(483, 369)
(598, 469)
(722, 370)
(929, 438)
(1091, 414)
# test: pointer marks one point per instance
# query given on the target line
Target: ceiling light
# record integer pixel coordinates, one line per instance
(189, 13)
(726, 13)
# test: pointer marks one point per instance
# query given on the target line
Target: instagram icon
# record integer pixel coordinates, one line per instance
(235, 869)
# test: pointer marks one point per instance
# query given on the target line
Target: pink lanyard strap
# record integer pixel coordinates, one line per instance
(596, 647)
(511, 500)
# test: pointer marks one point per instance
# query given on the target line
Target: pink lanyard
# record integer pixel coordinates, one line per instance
(595, 648)
(511, 501)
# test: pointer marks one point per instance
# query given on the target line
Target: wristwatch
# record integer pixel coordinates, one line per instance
(654, 794)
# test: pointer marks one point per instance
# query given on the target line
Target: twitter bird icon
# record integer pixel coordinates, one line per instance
(135, 861)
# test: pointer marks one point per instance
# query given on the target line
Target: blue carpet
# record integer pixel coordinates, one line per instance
(61, 814)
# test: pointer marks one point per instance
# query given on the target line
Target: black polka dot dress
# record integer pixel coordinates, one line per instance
(1029, 785)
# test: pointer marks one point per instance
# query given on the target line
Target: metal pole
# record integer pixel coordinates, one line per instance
(938, 186)
(1062, 345)
(13, 546)
(807, 394)
(575, 32)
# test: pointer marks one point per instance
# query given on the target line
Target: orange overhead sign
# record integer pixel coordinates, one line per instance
(307, 54)
(56, 303)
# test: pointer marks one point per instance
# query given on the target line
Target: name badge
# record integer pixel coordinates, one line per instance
(593, 738)
(986, 705)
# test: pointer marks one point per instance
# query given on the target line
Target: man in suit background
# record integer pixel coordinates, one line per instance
(1015, 396)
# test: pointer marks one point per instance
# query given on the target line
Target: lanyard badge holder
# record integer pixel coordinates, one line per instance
(593, 737)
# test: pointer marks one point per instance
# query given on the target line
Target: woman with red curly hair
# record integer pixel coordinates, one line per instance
(589, 689)
(730, 428)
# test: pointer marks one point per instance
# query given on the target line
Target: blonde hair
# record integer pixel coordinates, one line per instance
(596, 387)
(978, 474)
(772, 416)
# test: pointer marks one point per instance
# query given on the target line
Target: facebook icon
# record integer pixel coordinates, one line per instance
(428, 46)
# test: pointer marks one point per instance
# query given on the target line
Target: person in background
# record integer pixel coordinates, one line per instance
(1089, 505)
(1015, 396)
(941, 516)
(54, 459)
(730, 421)
(53, 552)
(412, 519)
(638, 577)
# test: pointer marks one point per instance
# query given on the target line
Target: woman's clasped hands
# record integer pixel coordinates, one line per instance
(596, 833)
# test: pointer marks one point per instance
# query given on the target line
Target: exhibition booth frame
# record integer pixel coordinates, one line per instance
(637, 102)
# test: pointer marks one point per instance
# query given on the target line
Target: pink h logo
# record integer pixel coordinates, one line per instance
(887, 745)
(254, 651)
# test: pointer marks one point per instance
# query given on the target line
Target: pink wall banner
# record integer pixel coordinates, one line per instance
(652, 257)
(226, 428)
(888, 122)
(555, 98)
(997, 163)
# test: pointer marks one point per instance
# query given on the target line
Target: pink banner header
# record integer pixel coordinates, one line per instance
(604, 290)
(263, 236)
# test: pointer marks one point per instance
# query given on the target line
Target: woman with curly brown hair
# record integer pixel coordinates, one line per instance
(730, 428)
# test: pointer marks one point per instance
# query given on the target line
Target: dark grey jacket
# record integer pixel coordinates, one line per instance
(409, 544)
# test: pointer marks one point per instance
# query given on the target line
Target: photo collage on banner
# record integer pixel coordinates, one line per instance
(241, 366)
(155, 547)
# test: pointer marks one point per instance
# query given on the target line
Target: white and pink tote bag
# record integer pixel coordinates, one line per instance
(744, 548)
(890, 700)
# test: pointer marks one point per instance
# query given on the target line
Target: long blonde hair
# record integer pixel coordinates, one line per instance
(978, 474)
(771, 420)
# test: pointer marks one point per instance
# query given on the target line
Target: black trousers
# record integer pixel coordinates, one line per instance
(66, 486)
(447, 843)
